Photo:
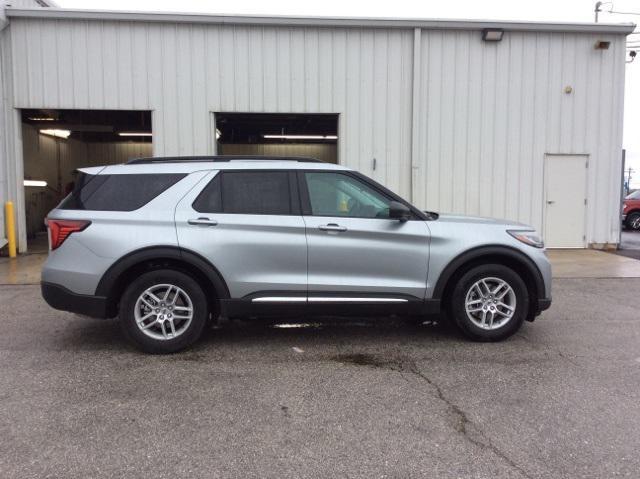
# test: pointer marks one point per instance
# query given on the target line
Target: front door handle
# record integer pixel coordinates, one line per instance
(202, 222)
(550, 202)
(332, 227)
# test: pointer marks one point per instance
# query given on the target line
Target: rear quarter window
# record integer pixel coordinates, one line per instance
(117, 192)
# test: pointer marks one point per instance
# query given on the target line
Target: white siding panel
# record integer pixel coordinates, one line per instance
(490, 112)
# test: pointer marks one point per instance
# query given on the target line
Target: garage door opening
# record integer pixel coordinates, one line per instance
(58, 142)
(278, 134)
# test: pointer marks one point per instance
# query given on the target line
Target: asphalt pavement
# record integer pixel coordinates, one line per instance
(354, 399)
(629, 244)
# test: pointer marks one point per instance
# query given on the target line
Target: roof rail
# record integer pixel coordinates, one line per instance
(219, 158)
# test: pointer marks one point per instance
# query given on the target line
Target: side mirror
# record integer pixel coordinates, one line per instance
(399, 211)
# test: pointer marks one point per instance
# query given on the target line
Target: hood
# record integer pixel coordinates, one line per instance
(451, 218)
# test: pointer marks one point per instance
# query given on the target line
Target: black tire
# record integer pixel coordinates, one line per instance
(184, 339)
(633, 221)
(457, 305)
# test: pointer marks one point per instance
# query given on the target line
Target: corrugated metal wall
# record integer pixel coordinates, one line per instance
(485, 113)
(184, 72)
(489, 112)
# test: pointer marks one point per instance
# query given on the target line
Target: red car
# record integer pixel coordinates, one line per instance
(631, 211)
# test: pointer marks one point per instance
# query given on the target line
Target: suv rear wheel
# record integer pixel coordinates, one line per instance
(163, 311)
(489, 302)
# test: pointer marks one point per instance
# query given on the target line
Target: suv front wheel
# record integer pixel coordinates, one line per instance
(163, 311)
(489, 302)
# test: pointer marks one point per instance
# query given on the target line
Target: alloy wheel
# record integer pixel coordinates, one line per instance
(163, 311)
(490, 303)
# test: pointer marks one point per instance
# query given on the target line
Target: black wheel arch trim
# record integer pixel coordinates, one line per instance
(110, 277)
(491, 250)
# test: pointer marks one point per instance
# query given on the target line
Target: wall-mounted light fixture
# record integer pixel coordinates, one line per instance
(135, 133)
(57, 133)
(300, 137)
(602, 45)
(492, 34)
(35, 183)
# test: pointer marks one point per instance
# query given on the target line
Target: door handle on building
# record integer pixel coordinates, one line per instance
(332, 227)
(202, 222)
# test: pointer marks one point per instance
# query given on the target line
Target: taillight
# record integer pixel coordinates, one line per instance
(59, 230)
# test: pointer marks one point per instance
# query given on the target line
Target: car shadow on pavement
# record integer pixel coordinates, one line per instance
(82, 334)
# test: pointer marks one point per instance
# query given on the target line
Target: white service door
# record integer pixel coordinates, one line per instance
(565, 201)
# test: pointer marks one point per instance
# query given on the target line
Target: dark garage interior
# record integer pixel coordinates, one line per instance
(57, 142)
(278, 134)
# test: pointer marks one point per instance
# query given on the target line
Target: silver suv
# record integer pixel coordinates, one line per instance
(168, 244)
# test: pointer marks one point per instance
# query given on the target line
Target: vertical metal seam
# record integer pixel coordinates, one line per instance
(415, 86)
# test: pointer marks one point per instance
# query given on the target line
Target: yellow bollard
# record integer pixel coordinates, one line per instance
(10, 220)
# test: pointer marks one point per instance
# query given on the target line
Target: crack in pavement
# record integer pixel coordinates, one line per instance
(464, 425)
(548, 348)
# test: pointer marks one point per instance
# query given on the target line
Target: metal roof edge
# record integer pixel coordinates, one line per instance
(132, 16)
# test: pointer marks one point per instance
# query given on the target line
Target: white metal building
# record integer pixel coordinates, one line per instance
(527, 128)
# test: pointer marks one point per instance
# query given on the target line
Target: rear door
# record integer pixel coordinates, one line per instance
(355, 249)
(248, 225)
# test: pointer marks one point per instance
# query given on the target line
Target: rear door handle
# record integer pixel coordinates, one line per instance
(332, 227)
(202, 222)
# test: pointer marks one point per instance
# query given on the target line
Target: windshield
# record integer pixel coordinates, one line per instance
(634, 196)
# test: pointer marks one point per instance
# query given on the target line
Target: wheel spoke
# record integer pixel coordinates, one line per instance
(173, 327)
(142, 319)
(148, 325)
(182, 308)
(498, 288)
(164, 330)
(167, 293)
(506, 306)
(504, 293)
(152, 296)
(491, 319)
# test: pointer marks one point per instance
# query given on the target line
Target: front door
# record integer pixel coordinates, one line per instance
(354, 247)
(565, 201)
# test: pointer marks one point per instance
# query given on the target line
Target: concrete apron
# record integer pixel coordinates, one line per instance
(567, 263)
(588, 263)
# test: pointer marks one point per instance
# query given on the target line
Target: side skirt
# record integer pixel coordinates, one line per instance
(270, 304)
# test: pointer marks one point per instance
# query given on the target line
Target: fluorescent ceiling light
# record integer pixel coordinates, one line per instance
(135, 133)
(300, 137)
(34, 183)
(41, 118)
(56, 133)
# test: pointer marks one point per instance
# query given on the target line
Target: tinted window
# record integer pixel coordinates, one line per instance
(210, 198)
(117, 192)
(336, 194)
(246, 192)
